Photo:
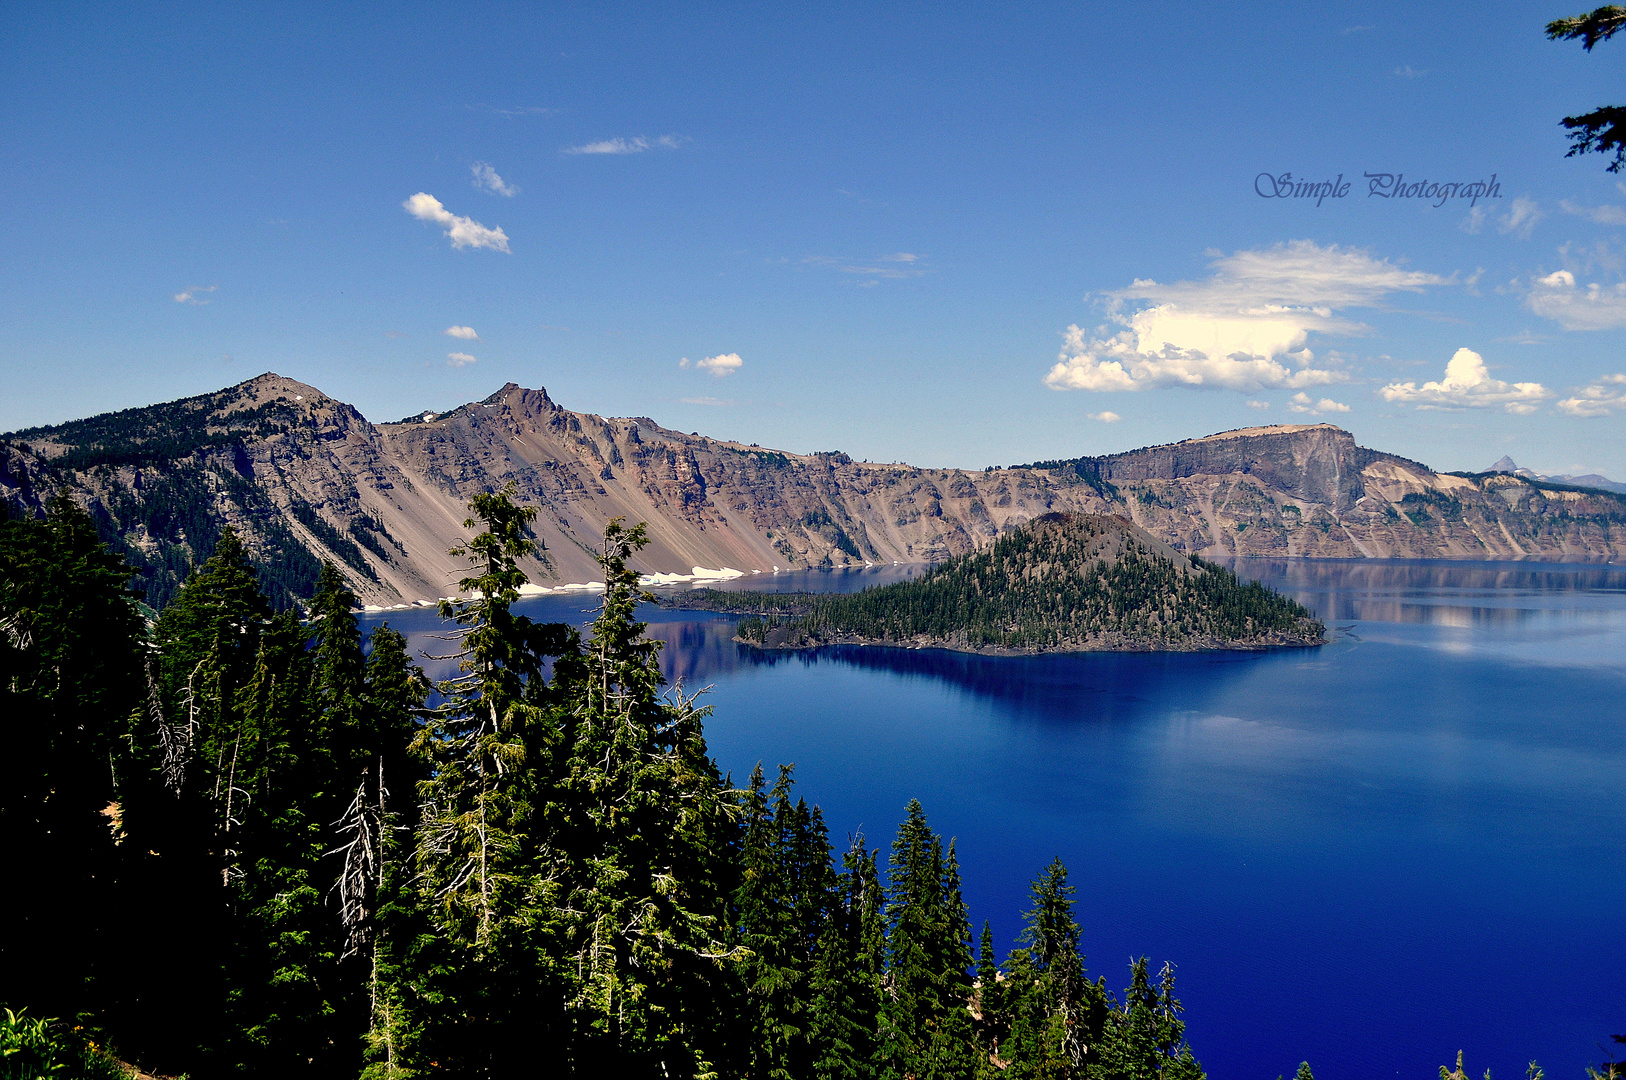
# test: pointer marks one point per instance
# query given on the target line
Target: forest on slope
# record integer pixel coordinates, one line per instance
(1062, 582)
(258, 844)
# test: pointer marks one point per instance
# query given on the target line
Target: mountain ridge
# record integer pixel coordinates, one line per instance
(305, 477)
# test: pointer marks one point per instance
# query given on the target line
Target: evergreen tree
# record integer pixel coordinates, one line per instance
(1057, 1016)
(644, 831)
(925, 1025)
(69, 672)
(1145, 1037)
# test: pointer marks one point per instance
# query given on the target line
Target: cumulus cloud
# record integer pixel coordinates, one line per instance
(463, 232)
(1301, 403)
(486, 179)
(194, 294)
(465, 332)
(1468, 385)
(1594, 307)
(636, 145)
(719, 366)
(459, 359)
(1601, 398)
(1258, 404)
(1244, 328)
(1107, 417)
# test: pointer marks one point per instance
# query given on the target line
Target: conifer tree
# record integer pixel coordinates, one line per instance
(644, 830)
(69, 671)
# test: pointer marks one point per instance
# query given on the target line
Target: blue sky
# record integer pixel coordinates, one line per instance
(947, 235)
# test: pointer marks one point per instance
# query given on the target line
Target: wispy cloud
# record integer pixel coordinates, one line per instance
(459, 359)
(1602, 215)
(486, 179)
(1301, 403)
(394, 334)
(1258, 404)
(194, 294)
(517, 111)
(1574, 307)
(465, 332)
(893, 267)
(1520, 218)
(1356, 29)
(1467, 384)
(635, 145)
(1244, 328)
(1105, 416)
(706, 401)
(1602, 397)
(463, 232)
(720, 366)
(1406, 71)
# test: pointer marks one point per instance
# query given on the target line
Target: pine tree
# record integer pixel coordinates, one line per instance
(643, 823)
(69, 672)
(847, 978)
(925, 1028)
(1057, 1016)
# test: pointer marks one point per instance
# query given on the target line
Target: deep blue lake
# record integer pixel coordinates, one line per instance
(1368, 855)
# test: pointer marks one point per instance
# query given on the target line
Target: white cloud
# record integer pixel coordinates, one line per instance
(464, 232)
(459, 359)
(636, 145)
(1467, 384)
(1244, 328)
(1601, 398)
(486, 179)
(705, 401)
(1258, 404)
(1107, 417)
(1409, 72)
(1520, 218)
(1602, 215)
(683, 363)
(719, 366)
(465, 332)
(191, 294)
(1301, 403)
(1596, 307)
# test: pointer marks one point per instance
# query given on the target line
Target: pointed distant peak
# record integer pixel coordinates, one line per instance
(1503, 464)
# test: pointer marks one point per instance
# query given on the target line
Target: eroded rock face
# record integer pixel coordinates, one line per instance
(304, 477)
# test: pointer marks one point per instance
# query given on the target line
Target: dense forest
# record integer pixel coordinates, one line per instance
(1062, 582)
(261, 844)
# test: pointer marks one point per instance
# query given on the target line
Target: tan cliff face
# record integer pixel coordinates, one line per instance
(277, 458)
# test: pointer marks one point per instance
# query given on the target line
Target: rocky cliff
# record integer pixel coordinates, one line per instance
(307, 478)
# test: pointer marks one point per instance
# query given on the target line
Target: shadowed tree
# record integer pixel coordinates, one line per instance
(1603, 130)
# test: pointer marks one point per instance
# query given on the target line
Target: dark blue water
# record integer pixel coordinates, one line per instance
(1368, 855)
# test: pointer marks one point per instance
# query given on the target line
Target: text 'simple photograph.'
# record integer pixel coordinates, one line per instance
(887, 541)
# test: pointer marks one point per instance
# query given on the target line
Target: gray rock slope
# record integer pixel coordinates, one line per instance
(305, 477)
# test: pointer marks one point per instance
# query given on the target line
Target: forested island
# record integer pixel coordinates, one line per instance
(1060, 583)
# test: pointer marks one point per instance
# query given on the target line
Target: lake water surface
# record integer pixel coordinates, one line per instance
(1368, 855)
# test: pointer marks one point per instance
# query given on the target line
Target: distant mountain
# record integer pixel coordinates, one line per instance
(304, 478)
(1058, 583)
(1505, 464)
